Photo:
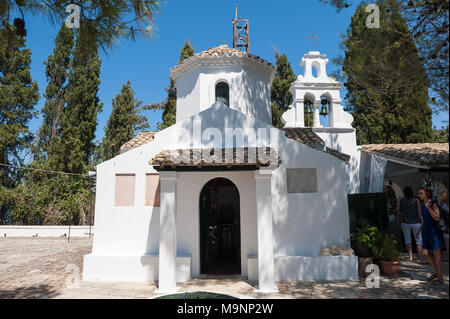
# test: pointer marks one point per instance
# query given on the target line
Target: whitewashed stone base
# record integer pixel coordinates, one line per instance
(309, 268)
(131, 268)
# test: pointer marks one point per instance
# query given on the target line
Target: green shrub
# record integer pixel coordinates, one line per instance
(385, 248)
(365, 235)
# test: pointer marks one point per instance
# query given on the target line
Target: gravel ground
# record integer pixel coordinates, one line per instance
(36, 267)
(41, 267)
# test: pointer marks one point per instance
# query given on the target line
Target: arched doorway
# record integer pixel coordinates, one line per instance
(220, 236)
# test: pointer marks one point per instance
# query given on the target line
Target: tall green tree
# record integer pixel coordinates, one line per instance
(186, 52)
(124, 123)
(386, 81)
(79, 120)
(18, 96)
(428, 24)
(57, 68)
(110, 19)
(440, 135)
(44, 197)
(169, 105)
(280, 95)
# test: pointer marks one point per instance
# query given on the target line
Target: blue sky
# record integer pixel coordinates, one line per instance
(284, 25)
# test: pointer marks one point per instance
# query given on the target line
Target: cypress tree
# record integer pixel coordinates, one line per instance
(79, 120)
(123, 124)
(18, 96)
(280, 95)
(47, 198)
(169, 116)
(57, 72)
(386, 81)
(186, 52)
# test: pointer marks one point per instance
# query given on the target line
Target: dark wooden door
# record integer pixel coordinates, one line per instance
(220, 240)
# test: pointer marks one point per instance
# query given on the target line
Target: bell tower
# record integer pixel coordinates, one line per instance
(316, 93)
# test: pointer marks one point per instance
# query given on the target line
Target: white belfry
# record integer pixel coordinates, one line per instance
(314, 87)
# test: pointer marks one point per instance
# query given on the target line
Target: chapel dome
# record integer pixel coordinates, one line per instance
(223, 56)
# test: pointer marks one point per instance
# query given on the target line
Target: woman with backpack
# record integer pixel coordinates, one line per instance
(408, 213)
(433, 240)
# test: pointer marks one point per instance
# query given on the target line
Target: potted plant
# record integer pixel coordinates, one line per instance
(386, 252)
(363, 239)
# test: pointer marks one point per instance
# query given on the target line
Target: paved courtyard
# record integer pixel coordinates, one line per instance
(43, 267)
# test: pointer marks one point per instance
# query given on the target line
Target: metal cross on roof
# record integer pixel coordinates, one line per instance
(313, 37)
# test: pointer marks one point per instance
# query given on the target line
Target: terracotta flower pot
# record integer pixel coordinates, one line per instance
(390, 268)
(361, 250)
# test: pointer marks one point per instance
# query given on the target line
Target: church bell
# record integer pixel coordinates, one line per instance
(324, 110)
(308, 107)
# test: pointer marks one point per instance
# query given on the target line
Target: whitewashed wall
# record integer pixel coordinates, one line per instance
(344, 140)
(249, 91)
(303, 223)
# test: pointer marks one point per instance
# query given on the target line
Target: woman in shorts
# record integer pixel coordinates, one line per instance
(408, 213)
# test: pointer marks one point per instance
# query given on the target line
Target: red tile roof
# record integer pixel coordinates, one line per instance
(224, 157)
(423, 154)
(142, 139)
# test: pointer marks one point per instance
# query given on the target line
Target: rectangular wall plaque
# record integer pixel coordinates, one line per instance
(301, 180)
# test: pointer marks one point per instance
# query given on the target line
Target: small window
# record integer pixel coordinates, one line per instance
(152, 190)
(125, 189)
(223, 93)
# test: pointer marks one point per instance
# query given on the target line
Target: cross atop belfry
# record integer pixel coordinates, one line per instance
(313, 37)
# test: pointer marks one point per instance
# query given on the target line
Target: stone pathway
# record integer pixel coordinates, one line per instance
(37, 268)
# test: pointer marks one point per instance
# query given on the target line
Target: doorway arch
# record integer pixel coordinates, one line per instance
(220, 234)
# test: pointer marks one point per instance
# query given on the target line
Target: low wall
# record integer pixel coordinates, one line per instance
(45, 231)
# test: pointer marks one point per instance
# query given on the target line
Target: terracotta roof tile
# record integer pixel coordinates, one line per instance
(225, 157)
(220, 51)
(426, 154)
(305, 135)
(142, 139)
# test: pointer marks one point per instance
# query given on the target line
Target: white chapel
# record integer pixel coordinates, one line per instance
(224, 192)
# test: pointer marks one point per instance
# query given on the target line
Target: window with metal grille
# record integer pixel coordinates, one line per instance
(223, 93)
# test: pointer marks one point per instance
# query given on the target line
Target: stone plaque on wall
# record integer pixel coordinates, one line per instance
(301, 180)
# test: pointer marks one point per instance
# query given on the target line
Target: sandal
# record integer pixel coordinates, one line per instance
(432, 277)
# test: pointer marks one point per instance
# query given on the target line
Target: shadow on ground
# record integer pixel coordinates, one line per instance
(42, 291)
